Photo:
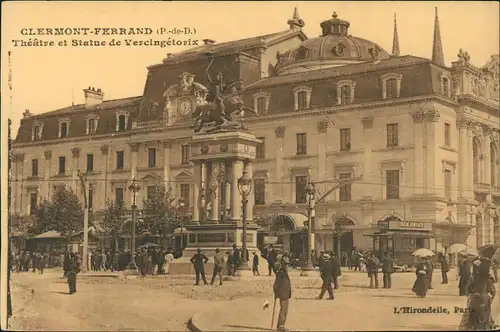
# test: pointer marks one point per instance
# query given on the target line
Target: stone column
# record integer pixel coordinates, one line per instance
(470, 161)
(214, 218)
(74, 170)
(251, 197)
(235, 193)
(367, 155)
(280, 134)
(203, 191)
(487, 154)
(227, 198)
(196, 192)
(166, 163)
(418, 171)
(431, 118)
(48, 157)
(463, 162)
(134, 149)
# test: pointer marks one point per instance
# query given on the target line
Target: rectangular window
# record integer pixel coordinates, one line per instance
(392, 184)
(302, 100)
(447, 134)
(261, 105)
(36, 133)
(345, 190)
(92, 126)
(33, 203)
(91, 199)
(345, 139)
(260, 191)
(185, 193)
(300, 189)
(34, 167)
(346, 95)
(119, 196)
(301, 144)
(152, 157)
(90, 162)
(447, 184)
(392, 135)
(119, 159)
(261, 148)
(62, 165)
(391, 88)
(150, 191)
(64, 129)
(121, 123)
(185, 154)
(445, 87)
(419, 242)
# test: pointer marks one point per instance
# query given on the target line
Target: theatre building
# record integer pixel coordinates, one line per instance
(421, 134)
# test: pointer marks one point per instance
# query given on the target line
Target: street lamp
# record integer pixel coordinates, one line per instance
(134, 187)
(181, 208)
(244, 187)
(311, 199)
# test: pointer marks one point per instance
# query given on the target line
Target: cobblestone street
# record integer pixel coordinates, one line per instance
(105, 302)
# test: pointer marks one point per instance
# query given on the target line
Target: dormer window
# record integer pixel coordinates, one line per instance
(261, 102)
(122, 120)
(92, 122)
(345, 92)
(302, 98)
(391, 85)
(152, 109)
(445, 84)
(36, 133)
(64, 128)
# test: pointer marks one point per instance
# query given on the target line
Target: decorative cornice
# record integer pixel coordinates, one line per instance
(134, 147)
(463, 123)
(367, 122)
(48, 154)
(322, 127)
(432, 115)
(104, 149)
(75, 152)
(280, 131)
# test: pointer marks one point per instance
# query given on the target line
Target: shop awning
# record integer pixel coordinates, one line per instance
(402, 233)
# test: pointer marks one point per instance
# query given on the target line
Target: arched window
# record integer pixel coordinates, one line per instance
(346, 96)
(121, 122)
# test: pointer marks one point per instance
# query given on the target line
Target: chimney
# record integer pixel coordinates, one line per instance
(208, 41)
(27, 114)
(93, 96)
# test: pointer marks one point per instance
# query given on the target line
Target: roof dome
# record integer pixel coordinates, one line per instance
(335, 47)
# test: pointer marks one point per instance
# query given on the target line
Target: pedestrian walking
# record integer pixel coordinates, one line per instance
(282, 289)
(271, 259)
(444, 269)
(464, 273)
(372, 265)
(73, 270)
(237, 260)
(421, 285)
(337, 271)
(218, 266)
(169, 258)
(199, 260)
(229, 264)
(387, 270)
(326, 273)
(430, 268)
(255, 264)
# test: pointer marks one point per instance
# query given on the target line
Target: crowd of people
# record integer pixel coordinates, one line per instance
(25, 261)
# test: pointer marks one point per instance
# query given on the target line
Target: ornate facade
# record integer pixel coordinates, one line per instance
(424, 136)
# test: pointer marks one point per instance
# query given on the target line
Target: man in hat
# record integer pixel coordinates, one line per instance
(218, 266)
(444, 268)
(282, 289)
(199, 260)
(236, 258)
(337, 271)
(73, 269)
(326, 270)
(387, 270)
(430, 268)
(372, 265)
(271, 259)
(464, 272)
(255, 264)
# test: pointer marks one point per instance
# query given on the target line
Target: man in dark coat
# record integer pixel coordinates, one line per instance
(430, 268)
(464, 272)
(337, 272)
(236, 253)
(255, 264)
(326, 270)
(218, 266)
(271, 259)
(73, 270)
(444, 269)
(199, 260)
(372, 265)
(282, 289)
(387, 270)
(354, 261)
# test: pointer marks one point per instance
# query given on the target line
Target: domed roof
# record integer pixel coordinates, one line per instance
(335, 47)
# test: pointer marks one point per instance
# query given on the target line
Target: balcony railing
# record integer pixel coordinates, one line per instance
(150, 123)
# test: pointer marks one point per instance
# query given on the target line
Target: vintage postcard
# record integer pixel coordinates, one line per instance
(250, 166)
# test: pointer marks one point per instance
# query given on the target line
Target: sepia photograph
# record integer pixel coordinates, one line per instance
(250, 166)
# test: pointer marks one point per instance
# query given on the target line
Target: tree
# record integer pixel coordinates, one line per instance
(114, 218)
(44, 215)
(66, 212)
(159, 213)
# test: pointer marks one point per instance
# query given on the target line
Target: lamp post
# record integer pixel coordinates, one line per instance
(134, 187)
(311, 199)
(181, 209)
(244, 187)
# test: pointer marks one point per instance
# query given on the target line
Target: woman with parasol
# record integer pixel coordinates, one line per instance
(423, 273)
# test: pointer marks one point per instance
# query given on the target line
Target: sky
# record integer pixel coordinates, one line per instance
(48, 78)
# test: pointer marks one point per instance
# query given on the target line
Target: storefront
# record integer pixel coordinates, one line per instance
(401, 238)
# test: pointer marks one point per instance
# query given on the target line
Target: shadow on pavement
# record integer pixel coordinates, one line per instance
(63, 293)
(249, 328)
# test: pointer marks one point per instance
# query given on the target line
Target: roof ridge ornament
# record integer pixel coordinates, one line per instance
(296, 23)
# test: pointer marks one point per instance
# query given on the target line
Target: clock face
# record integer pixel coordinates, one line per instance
(186, 108)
